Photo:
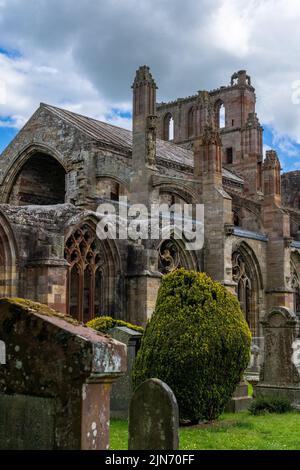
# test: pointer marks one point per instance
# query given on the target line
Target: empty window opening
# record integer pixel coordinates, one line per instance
(222, 116)
(229, 155)
(168, 127)
(41, 181)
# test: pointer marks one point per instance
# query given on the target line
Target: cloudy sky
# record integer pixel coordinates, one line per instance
(83, 54)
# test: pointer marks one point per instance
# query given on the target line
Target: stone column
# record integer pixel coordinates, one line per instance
(143, 278)
(277, 226)
(46, 282)
(217, 203)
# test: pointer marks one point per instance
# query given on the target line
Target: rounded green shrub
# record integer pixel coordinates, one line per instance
(104, 324)
(270, 404)
(197, 341)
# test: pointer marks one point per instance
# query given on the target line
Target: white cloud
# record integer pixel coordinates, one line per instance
(266, 148)
(230, 29)
(83, 55)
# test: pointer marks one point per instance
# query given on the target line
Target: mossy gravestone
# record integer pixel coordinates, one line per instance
(153, 417)
(280, 374)
(55, 385)
(121, 391)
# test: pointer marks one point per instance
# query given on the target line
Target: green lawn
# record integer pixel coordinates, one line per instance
(232, 431)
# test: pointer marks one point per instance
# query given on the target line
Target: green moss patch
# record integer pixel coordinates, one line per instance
(104, 324)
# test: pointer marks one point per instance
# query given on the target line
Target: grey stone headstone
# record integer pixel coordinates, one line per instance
(153, 417)
(26, 422)
(279, 374)
(121, 391)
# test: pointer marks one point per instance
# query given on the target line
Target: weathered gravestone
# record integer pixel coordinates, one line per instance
(55, 385)
(240, 399)
(253, 370)
(121, 392)
(279, 374)
(153, 417)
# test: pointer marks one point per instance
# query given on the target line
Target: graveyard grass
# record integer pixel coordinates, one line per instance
(239, 431)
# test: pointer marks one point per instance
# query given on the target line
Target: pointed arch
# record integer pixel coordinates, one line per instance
(111, 187)
(247, 274)
(8, 259)
(94, 270)
(295, 281)
(220, 114)
(168, 127)
(13, 177)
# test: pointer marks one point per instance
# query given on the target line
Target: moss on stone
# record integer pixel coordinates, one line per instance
(41, 309)
(104, 324)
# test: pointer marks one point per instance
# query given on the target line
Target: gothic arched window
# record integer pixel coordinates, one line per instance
(168, 131)
(296, 288)
(83, 252)
(2, 268)
(8, 268)
(241, 275)
(220, 114)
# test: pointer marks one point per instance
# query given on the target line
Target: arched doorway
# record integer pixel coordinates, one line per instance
(40, 181)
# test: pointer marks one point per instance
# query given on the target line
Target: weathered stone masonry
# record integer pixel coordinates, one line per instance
(62, 165)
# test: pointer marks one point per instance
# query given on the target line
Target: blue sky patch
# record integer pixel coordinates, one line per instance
(115, 112)
(6, 136)
(11, 53)
(288, 150)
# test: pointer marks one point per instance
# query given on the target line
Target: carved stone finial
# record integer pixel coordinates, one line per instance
(144, 77)
(271, 160)
(253, 121)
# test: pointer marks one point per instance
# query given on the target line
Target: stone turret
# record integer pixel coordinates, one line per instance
(144, 93)
(272, 179)
(208, 147)
(144, 136)
(217, 203)
(277, 226)
(252, 165)
(144, 278)
(144, 119)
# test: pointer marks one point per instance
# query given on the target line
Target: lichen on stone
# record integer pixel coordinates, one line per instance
(41, 309)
